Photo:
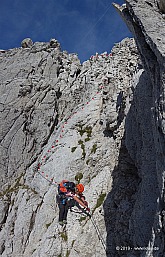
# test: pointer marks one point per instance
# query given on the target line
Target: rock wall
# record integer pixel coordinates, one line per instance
(145, 127)
(61, 119)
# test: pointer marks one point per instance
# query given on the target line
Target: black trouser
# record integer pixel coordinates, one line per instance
(63, 211)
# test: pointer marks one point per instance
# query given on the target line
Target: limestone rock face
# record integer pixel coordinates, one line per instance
(54, 43)
(144, 135)
(60, 118)
(161, 5)
(27, 42)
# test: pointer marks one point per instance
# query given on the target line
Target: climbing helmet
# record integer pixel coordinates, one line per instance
(80, 188)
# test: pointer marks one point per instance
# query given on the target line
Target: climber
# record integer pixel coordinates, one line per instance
(68, 195)
(79, 198)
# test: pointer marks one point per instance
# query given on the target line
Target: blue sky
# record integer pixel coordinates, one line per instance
(81, 26)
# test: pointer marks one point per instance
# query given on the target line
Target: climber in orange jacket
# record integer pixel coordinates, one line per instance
(68, 193)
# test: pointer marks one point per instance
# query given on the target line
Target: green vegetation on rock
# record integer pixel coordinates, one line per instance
(82, 218)
(87, 130)
(47, 225)
(78, 177)
(100, 201)
(64, 236)
(81, 143)
(67, 253)
(73, 242)
(94, 148)
(73, 149)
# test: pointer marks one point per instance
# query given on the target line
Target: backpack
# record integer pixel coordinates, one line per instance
(66, 186)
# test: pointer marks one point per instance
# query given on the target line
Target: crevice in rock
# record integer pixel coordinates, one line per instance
(31, 225)
(150, 4)
(2, 248)
(108, 133)
(33, 160)
(58, 72)
(58, 93)
(78, 72)
(51, 131)
(6, 210)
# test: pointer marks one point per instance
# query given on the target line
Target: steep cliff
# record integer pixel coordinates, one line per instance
(60, 118)
(100, 122)
(145, 125)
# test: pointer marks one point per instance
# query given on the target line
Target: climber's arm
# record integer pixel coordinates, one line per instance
(79, 201)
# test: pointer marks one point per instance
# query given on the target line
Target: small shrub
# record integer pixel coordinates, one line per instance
(73, 242)
(78, 177)
(64, 236)
(47, 225)
(87, 139)
(67, 253)
(82, 218)
(80, 142)
(94, 148)
(100, 201)
(87, 130)
(73, 149)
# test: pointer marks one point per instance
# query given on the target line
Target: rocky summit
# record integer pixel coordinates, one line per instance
(100, 123)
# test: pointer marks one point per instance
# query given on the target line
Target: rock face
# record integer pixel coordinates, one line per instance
(102, 122)
(145, 127)
(27, 42)
(60, 118)
(161, 5)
